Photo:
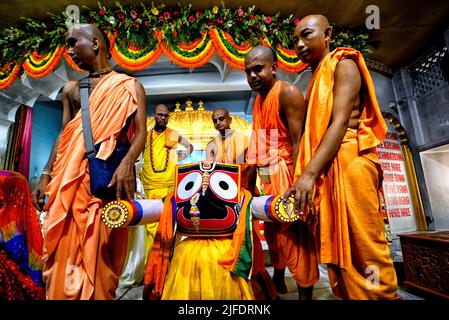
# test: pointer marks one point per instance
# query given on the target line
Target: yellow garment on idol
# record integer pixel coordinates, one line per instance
(190, 279)
(158, 184)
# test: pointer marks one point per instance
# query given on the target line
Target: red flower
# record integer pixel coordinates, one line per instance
(199, 14)
(121, 16)
(176, 14)
(240, 12)
(219, 21)
(161, 19)
(256, 25)
(209, 22)
(239, 19)
(268, 20)
(102, 12)
(191, 19)
(148, 23)
(136, 24)
(251, 16)
(167, 15)
(133, 14)
(296, 21)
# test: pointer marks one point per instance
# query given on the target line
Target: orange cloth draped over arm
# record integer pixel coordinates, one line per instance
(83, 258)
(346, 200)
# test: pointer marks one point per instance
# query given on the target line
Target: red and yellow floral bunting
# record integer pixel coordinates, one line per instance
(8, 74)
(188, 36)
(230, 52)
(190, 55)
(287, 59)
(132, 57)
(40, 65)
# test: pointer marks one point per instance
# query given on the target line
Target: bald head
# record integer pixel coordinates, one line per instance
(262, 51)
(311, 38)
(222, 120)
(222, 111)
(317, 20)
(161, 107)
(161, 115)
(91, 31)
(260, 69)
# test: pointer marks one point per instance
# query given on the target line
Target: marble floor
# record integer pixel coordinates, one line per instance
(321, 290)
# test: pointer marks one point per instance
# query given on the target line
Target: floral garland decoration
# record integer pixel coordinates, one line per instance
(232, 53)
(287, 59)
(130, 56)
(189, 37)
(189, 55)
(40, 65)
(8, 74)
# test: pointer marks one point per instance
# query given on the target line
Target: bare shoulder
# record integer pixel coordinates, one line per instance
(70, 87)
(139, 86)
(289, 89)
(347, 70)
(290, 95)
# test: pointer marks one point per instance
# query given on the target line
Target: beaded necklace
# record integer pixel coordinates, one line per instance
(151, 155)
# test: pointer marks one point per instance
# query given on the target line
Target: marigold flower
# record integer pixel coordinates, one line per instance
(215, 9)
(154, 11)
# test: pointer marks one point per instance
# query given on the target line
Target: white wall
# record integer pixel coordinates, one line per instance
(436, 172)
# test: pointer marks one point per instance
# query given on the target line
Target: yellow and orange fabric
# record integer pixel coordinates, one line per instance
(83, 257)
(290, 245)
(347, 196)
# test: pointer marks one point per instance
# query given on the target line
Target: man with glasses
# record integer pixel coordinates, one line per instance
(160, 159)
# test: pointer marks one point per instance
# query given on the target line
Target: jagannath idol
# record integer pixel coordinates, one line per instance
(207, 245)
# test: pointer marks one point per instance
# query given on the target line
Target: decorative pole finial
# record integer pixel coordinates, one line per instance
(189, 105)
(200, 105)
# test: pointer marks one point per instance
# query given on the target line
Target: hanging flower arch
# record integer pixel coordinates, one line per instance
(140, 34)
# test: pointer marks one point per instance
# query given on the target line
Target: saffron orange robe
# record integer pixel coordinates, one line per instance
(347, 195)
(271, 146)
(83, 257)
(233, 150)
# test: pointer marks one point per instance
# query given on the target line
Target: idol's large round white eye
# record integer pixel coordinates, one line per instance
(189, 185)
(223, 185)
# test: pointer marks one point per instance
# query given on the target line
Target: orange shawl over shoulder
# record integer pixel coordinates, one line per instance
(271, 143)
(74, 237)
(371, 129)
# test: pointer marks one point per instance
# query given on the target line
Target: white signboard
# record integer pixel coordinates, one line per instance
(398, 198)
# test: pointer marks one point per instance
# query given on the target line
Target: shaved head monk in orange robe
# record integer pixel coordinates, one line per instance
(278, 115)
(337, 173)
(83, 257)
